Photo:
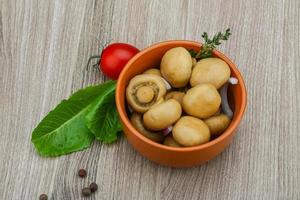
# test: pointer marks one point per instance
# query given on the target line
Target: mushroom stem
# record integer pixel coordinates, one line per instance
(145, 94)
(224, 103)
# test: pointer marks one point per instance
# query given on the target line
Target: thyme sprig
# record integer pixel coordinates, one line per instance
(210, 44)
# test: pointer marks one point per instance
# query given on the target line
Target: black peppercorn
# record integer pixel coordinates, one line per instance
(86, 191)
(43, 197)
(93, 187)
(82, 173)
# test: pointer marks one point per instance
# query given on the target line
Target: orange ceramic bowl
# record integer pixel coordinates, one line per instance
(174, 156)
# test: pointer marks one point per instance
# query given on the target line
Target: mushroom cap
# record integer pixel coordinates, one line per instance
(176, 66)
(162, 115)
(210, 70)
(201, 101)
(136, 120)
(153, 71)
(178, 96)
(169, 141)
(190, 131)
(217, 124)
(145, 90)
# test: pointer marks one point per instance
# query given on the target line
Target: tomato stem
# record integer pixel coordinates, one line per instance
(90, 59)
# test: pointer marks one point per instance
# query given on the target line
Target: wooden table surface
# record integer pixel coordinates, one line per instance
(44, 46)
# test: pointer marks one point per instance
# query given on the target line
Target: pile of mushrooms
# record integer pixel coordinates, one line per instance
(184, 102)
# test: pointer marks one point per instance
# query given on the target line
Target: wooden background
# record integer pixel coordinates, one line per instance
(44, 46)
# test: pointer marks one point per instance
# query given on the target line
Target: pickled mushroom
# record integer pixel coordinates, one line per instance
(178, 96)
(201, 101)
(153, 71)
(210, 70)
(136, 120)
(162, 115)
(169, 141)
(176, 66)
(144, 91)
(191, 131)
(217, 124)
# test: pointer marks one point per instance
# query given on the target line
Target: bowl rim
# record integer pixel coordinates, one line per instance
(227, 133)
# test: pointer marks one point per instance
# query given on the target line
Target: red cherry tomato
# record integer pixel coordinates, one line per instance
(114, 57)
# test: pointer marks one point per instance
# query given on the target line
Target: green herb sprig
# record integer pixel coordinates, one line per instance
(210, 44)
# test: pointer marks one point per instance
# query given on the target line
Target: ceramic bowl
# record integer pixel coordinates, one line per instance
(174, 156)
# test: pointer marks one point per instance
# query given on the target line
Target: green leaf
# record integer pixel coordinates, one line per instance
(103, 119)
(64, 129)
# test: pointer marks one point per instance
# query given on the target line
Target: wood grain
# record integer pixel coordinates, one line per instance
(44, 46)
